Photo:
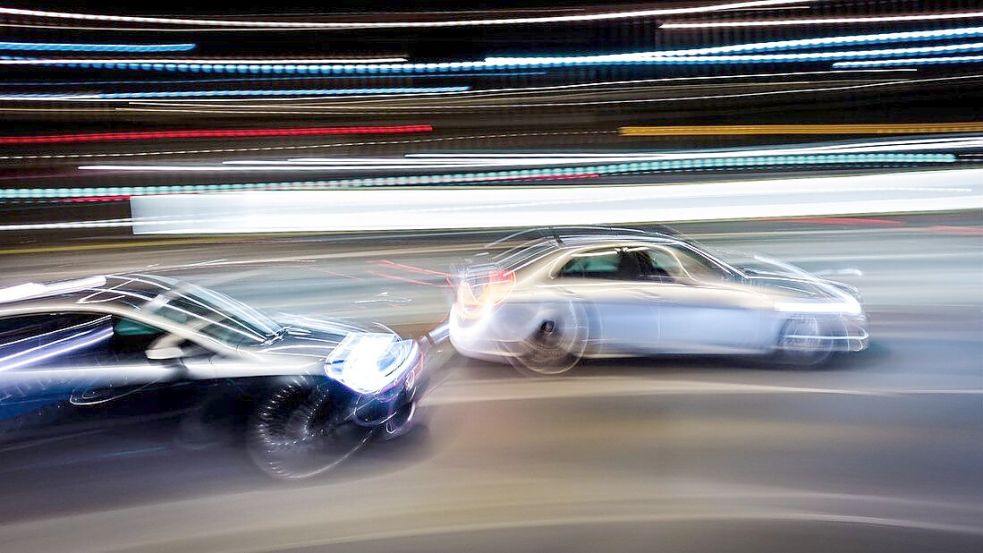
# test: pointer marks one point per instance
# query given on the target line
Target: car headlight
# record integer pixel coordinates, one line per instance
(369, 363)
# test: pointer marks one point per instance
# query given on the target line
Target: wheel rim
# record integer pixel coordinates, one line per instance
(803, 340)
(556, 346)
(297, 432)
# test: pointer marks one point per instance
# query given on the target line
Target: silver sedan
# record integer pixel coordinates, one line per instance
(547, 303)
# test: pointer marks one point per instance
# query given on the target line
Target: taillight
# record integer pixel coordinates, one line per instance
(477, 293)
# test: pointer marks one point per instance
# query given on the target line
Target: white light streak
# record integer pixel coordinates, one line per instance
(244, 24)
(821, 21)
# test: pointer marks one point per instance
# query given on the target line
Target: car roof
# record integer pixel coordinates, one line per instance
(121, 290)
(558, 239)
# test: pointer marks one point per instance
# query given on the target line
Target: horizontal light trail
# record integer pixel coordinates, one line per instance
(740, 53)
(547, 172)
(468, 208)
(633, 166)
(209, 133)
(821, 21)
(457, 22)
(20, 60)
(235, 93)
(552, 173)
(910, 62)
(662, 58)
(785, 45)
(851, 128)
(79, 47)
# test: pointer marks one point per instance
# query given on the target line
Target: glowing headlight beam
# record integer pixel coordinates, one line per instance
(821, 21)
(74, 47)
(245, 24)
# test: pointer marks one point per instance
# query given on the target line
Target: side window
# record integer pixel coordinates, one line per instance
(131, 339)
(603, 264)
(660, 264)
(50, 339)
(680, 263)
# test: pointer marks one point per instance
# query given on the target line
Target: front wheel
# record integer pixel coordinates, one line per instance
(804, 342)
(297, 431)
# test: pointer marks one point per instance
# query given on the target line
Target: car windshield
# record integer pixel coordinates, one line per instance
(215, 315)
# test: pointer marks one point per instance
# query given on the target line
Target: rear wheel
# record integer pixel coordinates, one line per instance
(557, 344)
(297, 431)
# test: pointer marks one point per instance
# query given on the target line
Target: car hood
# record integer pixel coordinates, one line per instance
(306, 337)
(793, 281)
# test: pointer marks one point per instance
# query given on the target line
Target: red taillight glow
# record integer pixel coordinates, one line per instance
(482, 295)
(209, 133)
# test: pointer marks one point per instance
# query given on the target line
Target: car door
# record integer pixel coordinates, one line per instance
(700, 308)
(606, 281)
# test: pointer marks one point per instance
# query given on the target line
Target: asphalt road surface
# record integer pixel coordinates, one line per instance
(880, 451)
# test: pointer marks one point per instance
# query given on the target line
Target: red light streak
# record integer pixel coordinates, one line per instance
(210, 133)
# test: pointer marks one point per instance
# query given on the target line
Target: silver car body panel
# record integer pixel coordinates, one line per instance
(735, 313)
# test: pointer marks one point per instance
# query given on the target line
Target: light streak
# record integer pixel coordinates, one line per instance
(209, 133)
(13, 60)
(629, 166)
(451, 139)
(237, 92)
(785, 45)
(72, 47)
(850, 128)
(682, 162)
(820, 21)
(911, 61)
(528, 206)
(605, 16)
(672, 57)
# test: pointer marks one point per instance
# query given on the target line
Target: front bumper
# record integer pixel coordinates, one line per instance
(394, 407)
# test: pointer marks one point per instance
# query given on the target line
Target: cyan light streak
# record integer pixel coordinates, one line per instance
(476, 177)
(237, 93)
(909, 62)
(72, 47)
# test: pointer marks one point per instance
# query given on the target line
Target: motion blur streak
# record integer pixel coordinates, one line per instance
(210, 133)
(740, 130)
(820, 21)
(635, 167)
(799, 44)
(400, 209)
(401, 24)
(950, 60)
(70, 47)
(502, 276)
(400, 91)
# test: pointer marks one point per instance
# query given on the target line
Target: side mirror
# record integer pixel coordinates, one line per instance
(165, 353)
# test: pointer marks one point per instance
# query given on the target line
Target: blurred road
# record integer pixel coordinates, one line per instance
(879, 452)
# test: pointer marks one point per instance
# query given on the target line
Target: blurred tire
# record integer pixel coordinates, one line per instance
(804, 342)
(557, 344)
(297, 432)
